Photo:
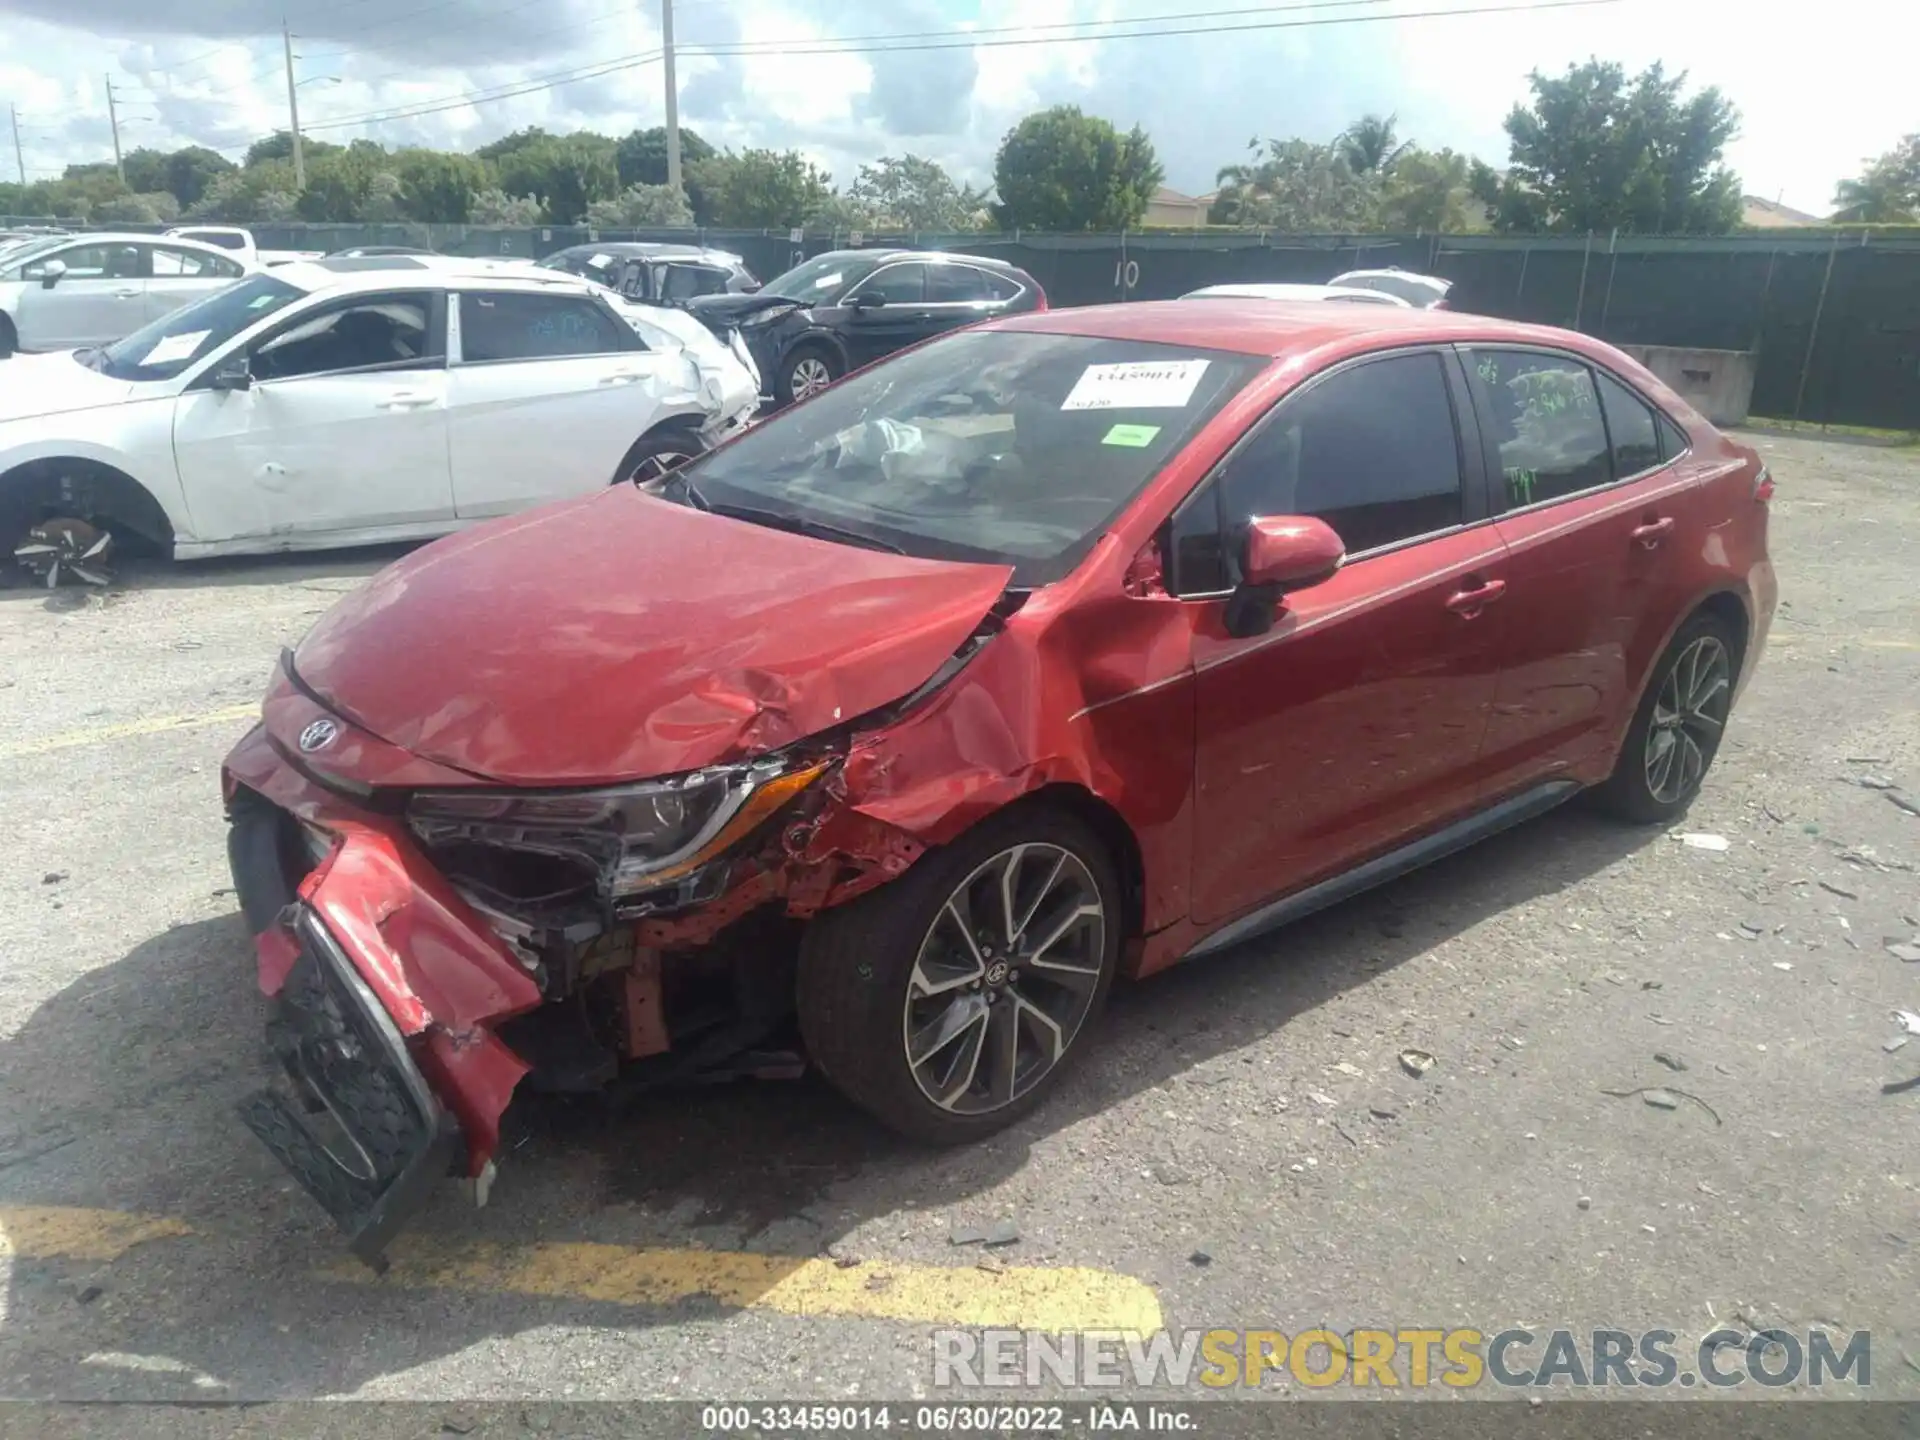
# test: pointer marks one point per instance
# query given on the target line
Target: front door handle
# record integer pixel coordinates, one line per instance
(620, 377)
(1653, 532)
(405, 400)
(126, 294)
(1470, 602)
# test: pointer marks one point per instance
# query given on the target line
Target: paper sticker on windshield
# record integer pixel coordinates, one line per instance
(1137, 385)
(1134, 437)
(175, 347)
(600, 262)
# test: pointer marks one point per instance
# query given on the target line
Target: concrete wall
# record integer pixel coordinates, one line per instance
(1717, 383)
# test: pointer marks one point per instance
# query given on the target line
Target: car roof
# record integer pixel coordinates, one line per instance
(1283, 328)
(349, 274)
(650, 250)
(1262, 291)
(891, 253)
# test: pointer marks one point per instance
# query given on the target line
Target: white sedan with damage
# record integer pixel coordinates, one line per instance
(352, 402)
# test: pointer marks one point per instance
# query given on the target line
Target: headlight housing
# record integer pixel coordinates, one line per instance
(636, 837)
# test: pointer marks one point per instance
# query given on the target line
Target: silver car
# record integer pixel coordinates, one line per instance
(65, 291)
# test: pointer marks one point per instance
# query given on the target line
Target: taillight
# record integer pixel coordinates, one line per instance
(1763, 486)
(1040, 299)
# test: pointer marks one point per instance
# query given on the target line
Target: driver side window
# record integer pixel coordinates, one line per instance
(1372, 450)
(895, 284)
(387, 332)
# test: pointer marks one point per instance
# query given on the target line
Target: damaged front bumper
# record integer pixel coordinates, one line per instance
(355, 1121)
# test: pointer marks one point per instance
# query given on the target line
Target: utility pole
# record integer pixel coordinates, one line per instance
(673, 95)
(13, 113)
(113, 119)
(293, 112)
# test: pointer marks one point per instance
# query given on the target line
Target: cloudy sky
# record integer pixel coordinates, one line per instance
(1815, 98)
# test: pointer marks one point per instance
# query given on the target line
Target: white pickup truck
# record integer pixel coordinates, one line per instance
(240, 242)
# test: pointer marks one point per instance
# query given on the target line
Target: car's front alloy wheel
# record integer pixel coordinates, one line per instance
(1004, 979)
(807, 376)
(950, 1001)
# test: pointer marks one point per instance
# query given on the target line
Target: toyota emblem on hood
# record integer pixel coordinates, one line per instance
(318, 735)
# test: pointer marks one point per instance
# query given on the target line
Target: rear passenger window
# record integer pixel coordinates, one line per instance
(516, 326)
(1371, 450)
(1636, 441)
(1546, 422)
(1673, 440)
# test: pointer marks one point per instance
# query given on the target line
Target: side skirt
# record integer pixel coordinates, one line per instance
(1390, 866)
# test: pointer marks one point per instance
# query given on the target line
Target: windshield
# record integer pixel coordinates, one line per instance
(820, 278)
(168, 346)
(989, 445)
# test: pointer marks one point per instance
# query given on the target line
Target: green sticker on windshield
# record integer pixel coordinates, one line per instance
(1132, 436)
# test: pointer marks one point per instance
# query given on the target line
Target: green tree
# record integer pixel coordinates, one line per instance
(1059, 169)
(258, 192)
(340, 182)
(515, 140)
(906, 192)
(1598, 150)
(567, 172)
(436, 187)
(1887, 191)
(642, 155)
(1372, 145)
(761, 189)
(190, 170)
(496, 207)
(279, 146)
(1430, 190)
(842, 211)
(1298, 186)
(641, 207)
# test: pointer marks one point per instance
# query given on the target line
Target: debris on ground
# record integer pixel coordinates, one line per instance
(1907, 950)
(1837, 890)
(1783, 965)
(1897, 1043)
(1902, 801)
(1672, 1062)
(1416, 1062)
(966, 1235)
(53, 877)
(1702, 840)
(1200, 1257)
(1661, 1097)
(1002, 1232)
(1585, 1202)
(1908, 1021)
(1875, 782)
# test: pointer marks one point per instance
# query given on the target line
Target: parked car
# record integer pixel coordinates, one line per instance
(70, 290)
(239, 241)
(1424, 292)
(847, 308)
(1076, 644)
(339, 403)
(659, 274)
(1255, 291)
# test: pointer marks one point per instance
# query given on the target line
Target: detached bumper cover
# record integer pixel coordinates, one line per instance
(356, 1123)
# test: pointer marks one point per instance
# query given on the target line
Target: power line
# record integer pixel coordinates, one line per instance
(953, 40)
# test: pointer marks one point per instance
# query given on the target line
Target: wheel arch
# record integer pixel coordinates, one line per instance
(686, 422)
(1122, 845)
(87, 489)
(1729, 605)
(818, 337)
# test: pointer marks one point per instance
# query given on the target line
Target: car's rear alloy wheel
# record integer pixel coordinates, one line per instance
(1004, 978)
(1689, 713)
(660, 453)
(1678, 725)
(949, 1002)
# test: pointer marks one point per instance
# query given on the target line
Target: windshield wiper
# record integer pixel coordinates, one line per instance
(688, 489)
(803, 525)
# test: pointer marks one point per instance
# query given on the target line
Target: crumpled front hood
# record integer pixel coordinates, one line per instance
(622, 636)
(54, 384)
(718, 312)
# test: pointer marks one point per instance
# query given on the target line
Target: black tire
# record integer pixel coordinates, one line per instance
(856, 963)
(792, 365)
(18, 515)
(658, 451)
(1629, 793)
(9, 338)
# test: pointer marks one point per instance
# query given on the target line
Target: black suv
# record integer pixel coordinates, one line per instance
(847, 308)
(658, 274)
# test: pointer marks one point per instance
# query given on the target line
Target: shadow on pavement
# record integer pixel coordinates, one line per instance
(119, 1094)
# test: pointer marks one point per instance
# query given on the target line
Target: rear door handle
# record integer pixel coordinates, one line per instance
(126, 294)
(1653, 532)
(620, 377)
(1469, 603)
(406, 400)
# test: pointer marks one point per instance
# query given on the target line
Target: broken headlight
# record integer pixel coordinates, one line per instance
(635, 837)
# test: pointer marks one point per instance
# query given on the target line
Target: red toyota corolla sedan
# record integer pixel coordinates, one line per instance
(890, 733)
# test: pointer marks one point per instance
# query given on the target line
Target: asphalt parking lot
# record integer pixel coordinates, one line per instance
(766, 1241)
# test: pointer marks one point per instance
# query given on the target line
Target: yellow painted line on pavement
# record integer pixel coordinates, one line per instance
(60, 1232)
(99, 735)
(1046, 1298)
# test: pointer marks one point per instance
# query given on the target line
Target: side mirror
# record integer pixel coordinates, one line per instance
(868, 301)
(51, 272)
(1278, 555)
(234, 373)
